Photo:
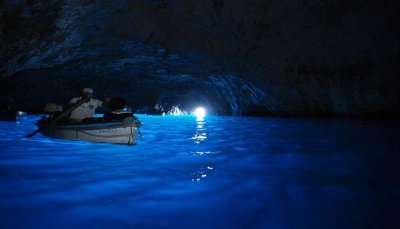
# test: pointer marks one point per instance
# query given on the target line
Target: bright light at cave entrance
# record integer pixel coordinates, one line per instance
(200, 112)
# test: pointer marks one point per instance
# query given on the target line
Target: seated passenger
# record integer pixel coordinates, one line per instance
(118, 109)
(87, 109)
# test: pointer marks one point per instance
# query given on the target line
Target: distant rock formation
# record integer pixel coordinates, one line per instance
(256, 57)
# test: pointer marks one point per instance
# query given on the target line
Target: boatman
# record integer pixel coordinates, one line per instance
(86, 109)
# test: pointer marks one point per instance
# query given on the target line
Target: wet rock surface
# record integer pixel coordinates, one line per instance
(235, 57)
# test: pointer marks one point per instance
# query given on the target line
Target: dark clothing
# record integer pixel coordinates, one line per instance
(117, 116)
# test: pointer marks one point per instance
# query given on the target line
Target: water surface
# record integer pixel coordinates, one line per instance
(221, 172)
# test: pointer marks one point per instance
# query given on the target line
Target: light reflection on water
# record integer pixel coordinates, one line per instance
(201, 131)
(218, 172)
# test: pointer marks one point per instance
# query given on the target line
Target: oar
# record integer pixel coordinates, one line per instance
(60, 116)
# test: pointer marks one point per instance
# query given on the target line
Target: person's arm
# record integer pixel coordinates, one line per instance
(73, 100)
(98, 103)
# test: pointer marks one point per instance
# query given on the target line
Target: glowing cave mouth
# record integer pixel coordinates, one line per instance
(199, 112)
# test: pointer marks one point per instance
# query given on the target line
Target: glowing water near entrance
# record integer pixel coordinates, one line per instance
(219, 172)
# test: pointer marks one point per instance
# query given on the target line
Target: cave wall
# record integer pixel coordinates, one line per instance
(240, 57)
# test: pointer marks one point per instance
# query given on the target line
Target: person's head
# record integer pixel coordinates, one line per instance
(87, 93)
(117, 103)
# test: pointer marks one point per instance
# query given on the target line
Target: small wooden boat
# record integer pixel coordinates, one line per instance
(123, 131)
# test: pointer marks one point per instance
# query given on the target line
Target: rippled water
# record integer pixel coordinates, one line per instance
(222, 172)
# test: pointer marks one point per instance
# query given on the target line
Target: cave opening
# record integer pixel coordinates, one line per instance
(199, 114)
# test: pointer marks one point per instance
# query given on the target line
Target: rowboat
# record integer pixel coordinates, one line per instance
(117, 132)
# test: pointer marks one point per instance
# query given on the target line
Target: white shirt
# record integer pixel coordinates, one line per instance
(85, 110)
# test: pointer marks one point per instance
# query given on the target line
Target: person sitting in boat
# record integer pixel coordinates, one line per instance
(118, 109)
(87, 109)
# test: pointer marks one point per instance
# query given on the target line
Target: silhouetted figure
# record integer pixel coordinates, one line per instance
(117, 109)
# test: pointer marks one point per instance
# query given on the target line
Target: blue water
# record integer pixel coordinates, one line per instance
(222, 172)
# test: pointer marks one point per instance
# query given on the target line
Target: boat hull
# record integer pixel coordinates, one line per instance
(115, 133)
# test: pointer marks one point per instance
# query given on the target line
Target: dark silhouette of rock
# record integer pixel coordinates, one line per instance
(238, 57)
(8, 111)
